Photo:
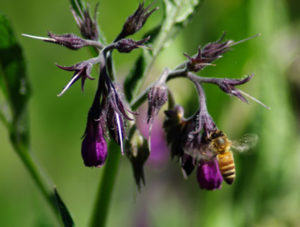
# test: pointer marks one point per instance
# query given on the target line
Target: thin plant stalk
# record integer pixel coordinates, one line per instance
(38, 177)
(106, 186)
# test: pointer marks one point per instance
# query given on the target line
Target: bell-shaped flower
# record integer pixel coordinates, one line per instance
(94, 147)
(209, 176)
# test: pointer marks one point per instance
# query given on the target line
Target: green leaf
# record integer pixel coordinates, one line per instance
(14, 83)
(177, 13)
(63, 211)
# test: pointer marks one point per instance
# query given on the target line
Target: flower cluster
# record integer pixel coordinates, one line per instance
(109, 112)
(195, 141)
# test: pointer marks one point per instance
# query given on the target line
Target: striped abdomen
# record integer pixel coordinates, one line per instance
(227, 167)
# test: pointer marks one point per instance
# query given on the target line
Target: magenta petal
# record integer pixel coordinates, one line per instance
(94, 147)
(209, 176)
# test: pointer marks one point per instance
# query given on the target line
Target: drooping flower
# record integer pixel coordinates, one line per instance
(189, 141)
(94, 147)
(208, 175)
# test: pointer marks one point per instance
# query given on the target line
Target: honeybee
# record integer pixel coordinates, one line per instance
(221, 146)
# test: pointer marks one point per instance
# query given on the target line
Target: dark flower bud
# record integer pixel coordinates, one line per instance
(214, 50)
(70, 41)
(198, 62)
(157, 96)
(81, 70)
(174, 126)
(116, 113)
(137, 151)
(136, 21)
(187, 165)
(94, 147)
(127, 45)
(209, 176)
(228, 86)
(88, 26)
(208, 54)
(115, 125)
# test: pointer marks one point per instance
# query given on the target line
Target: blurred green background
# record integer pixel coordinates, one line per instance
(266, 191)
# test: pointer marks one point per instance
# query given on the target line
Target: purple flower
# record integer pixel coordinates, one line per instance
(94, 147)
(209, 176)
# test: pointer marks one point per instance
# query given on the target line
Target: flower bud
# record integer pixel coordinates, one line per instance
(157, 96)
(136, 21)
(70, 41)
(94, 147)
(127, 45)
(174, 125)
(209, 176)
(187, 165)
(88, 26)
(137, 151)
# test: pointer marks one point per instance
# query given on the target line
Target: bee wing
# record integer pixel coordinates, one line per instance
(247, 142)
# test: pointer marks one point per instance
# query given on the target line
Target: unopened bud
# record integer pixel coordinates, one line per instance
(136, 21)
(70, 41)
(137, 151)
(127, 45)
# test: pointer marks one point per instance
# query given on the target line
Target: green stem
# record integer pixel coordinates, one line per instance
(106, 186)
(40, 180)
(4, 121)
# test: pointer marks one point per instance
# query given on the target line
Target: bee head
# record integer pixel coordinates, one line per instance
(219, 141)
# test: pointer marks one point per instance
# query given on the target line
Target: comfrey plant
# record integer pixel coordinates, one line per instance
(109, 112)
(195, 141)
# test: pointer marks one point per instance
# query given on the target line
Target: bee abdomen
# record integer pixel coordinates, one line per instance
(227, 167)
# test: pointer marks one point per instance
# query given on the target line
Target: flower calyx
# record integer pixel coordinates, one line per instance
(127, 45)
(138, 153)
(70, 41)
(157, 96)
(87, 25)
(136, 21)
(81, 70)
